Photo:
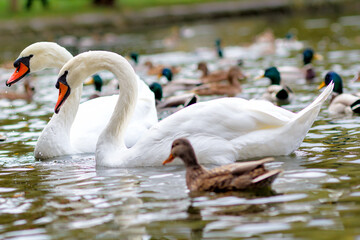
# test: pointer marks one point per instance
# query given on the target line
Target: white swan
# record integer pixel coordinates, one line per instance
(77, 128)
(221, 130)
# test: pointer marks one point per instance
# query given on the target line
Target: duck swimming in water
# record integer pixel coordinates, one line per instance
(276, 92)
(340, 102)
(233, 177)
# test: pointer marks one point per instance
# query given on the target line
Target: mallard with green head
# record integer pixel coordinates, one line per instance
(240, 176)
(178, 84)
(175, 102)
(306, 72)
(340, 103)
(276, 92)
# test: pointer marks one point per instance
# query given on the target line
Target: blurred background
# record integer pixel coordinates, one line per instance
(317, 196)
(150, 26)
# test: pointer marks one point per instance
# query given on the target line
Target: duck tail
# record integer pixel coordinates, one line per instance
(267, 178)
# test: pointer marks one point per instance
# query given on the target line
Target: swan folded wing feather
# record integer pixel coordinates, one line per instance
(214, 141)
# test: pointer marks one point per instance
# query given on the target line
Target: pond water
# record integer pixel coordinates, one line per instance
(316, 197)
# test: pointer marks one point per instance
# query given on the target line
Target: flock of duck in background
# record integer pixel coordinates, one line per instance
(125, 131)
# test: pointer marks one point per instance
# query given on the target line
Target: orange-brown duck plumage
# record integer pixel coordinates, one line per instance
(232, 177)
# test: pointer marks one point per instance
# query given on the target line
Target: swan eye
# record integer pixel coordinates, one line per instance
(62, 79)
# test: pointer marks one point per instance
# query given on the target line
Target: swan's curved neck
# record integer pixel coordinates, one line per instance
(57, 132)
(112, 137)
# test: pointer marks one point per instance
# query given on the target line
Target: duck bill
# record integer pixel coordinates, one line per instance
(259, 77)
(90, 81)
(169, 160)
(19, 73)
(64, 92)
(321, 85)
(318, 57)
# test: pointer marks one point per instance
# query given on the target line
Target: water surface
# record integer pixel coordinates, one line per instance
(317, 196)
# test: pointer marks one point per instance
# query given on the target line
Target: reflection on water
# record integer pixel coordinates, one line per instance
(316, 197)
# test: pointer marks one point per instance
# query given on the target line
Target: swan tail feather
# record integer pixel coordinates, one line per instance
(315, 106)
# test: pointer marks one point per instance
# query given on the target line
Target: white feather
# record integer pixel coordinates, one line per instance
(221, 131)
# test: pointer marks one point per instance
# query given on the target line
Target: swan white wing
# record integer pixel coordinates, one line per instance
(210, 126)
(90, 120)
(93, 116)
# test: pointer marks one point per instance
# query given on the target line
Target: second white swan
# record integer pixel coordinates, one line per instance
(221, 130)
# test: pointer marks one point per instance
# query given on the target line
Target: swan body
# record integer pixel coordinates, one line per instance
(221, 130)
(77, 127)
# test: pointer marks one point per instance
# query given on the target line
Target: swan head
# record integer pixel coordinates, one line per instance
(64, 91)
(182, 149)
(22, 68)
(36, 57)
(71, 76)
(333, 77)
(157, 90)
(273, 74)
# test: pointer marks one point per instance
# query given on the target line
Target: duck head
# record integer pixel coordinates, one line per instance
(273, 74)
(98, 82)
(333, 77)
(202, 66)
(309, 55)
(135, 57)
(182, 149)
(166, 72)
(157, 90)
(218, 48)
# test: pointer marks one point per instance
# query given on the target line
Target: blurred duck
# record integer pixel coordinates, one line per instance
(27, 94)
(233, 177)
(215, 76)
(175, 102)
(2, 138)
(98, 83)
(276, 92)
(174, 85)
(158, 69)
(218, 47)
(340, 103)
(307, 71)
(230, 89)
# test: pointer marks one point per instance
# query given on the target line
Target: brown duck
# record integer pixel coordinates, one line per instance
(232, 177)
(215, 76)
(230, 88)
(14, 95)
(157, 69)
